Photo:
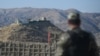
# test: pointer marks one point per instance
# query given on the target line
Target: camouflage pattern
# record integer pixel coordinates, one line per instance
(64, 38)
(94, 50)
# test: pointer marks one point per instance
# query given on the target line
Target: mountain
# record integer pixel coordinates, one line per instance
(34, 31)
(90, 21)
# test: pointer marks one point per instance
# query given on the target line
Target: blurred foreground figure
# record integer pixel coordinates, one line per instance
(76, 42)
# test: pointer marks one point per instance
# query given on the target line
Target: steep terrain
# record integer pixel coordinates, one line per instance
(29, 31)
(90, 21)
(34, 31)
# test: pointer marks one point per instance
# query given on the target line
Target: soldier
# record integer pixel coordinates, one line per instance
(76, 42)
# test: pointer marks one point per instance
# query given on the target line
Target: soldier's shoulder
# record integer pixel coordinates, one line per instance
(90, 34)
(84, 32)
(64, 35)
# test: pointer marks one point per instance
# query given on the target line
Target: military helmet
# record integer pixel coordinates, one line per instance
(74, 18)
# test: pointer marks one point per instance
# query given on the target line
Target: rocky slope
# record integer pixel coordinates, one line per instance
(90, 21)
(34, 31)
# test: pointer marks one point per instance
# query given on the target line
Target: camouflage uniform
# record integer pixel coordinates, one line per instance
(62, 40)
(65, 40)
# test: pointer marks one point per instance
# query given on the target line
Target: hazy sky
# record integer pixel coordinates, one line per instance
(82, 5)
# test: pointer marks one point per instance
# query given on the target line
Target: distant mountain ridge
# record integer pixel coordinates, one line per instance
(90, 21)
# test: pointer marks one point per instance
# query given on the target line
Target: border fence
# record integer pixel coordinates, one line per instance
(26, 49)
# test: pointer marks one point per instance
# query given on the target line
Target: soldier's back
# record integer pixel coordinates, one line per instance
(74, 43)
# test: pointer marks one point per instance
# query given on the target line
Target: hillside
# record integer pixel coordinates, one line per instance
(90, 21)
(34, 31)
